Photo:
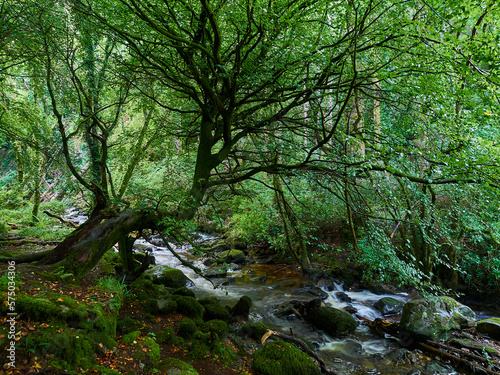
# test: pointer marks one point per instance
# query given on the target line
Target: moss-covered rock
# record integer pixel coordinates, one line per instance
(147, 353)
(217, 326)
(188, 306)
(216, 311)
(166, 305)
(130, 337)
(231, 256)
(279, 357)
(255, 330)
(170, 277)
(184, 291)
(68, 347)
(126, 325)
(435, 318)
(333, 321)
(187, 328)
(174, 366)
(389, 305)
(167, 336)
(208, 301)
(242, 307)
(490, 327)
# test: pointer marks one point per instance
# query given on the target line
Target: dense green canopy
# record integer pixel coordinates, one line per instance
(380, 114)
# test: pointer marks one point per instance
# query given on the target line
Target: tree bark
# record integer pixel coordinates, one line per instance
(82, 249)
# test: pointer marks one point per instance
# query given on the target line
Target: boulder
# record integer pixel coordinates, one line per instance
(174, 366)
(279, 357)
(242, 307)
(333, 321)
(231, 256)
(214, 272)
(490, 327)
(435, 318)
(389, 305)
(170, 277)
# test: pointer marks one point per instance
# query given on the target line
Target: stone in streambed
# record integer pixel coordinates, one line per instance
(333, 321)
(170, 277)
(435, 318)
(389, 305)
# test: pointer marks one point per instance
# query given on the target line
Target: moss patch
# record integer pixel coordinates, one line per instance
(279, 357)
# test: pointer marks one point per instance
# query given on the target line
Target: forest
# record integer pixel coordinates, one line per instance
(355, 141)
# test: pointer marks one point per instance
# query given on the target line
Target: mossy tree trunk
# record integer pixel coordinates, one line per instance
(83, 249)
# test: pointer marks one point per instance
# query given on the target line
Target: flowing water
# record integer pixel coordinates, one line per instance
(270, 286)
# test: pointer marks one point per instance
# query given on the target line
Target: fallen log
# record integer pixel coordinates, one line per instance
(303, 346)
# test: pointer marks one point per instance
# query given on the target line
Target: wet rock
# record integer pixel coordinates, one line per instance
(350, 309)
(234, 266)
(490, 327)
(435, 318)
(217, 246)
(316, 292)
(343, 297)
(333, 321)
(436, 368)
(209, 262)
(288, 309)
(233, 256)
(389, 305)
(262, 279)
(242, 307)
(170, 277)
(228, 281)
(352, 347)
(214, 272)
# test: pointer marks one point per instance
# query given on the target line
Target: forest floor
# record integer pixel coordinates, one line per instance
(35, 282)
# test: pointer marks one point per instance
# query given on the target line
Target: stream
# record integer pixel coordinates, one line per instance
(271, 285)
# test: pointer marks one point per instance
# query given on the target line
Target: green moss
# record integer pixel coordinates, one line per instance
(242, 307)
(208, 301)
(167, 305)
(130, 337)
(170, 277)
(126, 325)
(183, 291)
(333, 321)
(151, 306)
(217, 326)
(255, 330)
(216, 312)
(189, 306)
(69, 347)
(174, 364)
(228, 256)
(279, 357)
(37, 308)
(167, 336)
(147, 353)
(187, 328)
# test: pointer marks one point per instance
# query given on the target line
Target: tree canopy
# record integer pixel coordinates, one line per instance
(156, 109)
